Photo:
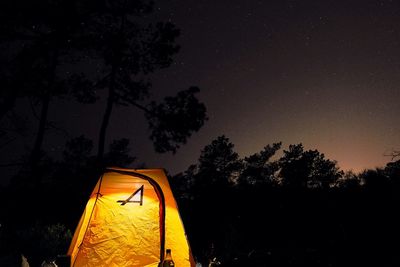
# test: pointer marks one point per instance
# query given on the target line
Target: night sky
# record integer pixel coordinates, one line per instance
(323, 73)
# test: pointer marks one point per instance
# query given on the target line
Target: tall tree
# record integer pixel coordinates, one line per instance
(258, 168)
(219, 165)
(129, 48)
(52, 41)
(38, 38)
(307, 169)
(211, 183)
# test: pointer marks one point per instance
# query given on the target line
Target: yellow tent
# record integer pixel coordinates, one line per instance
(130, 219)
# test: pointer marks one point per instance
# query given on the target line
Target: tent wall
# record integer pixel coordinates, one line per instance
(117, 230)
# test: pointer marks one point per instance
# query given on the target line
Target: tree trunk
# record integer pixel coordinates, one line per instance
(46, 97)
(35, 155)
(110, 99)
(106, 118)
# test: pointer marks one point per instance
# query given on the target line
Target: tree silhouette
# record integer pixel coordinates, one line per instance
(376, 180)
(349, 181)
(392, 169)
(175, 119)
(118, 154)
(299, 209)
(394, 154)
(128, 48)
(37, 37)
(258, 169)
(219, 165)
(210, 189)
(307, 169)
(74, 48)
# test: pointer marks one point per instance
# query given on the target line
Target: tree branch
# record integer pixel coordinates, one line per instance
(53, 126)
(394, 154)
(146, 110)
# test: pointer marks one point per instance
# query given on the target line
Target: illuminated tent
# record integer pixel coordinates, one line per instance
(130, 219)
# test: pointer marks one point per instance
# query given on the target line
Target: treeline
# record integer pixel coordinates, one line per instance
(296, 209)
(276, 207)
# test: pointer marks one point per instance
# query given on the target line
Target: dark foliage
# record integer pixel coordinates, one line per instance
(258, 168)
(129, 47)
(174, 120)
(301, 168)
(119, 154)
(298, 210)
(75, 48)
(40, 220)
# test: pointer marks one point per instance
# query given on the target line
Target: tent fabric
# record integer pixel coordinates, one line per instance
(130, 219)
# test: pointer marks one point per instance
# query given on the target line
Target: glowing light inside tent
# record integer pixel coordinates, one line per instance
(111, 234)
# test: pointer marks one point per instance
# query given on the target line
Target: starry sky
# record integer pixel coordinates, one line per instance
(322, 73)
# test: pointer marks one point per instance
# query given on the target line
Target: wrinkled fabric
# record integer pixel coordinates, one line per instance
(111, 234)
